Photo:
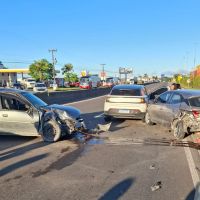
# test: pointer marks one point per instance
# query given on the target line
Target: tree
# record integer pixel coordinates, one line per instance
(67, 68)
(68, 73)
(41, 70)
(71, 77)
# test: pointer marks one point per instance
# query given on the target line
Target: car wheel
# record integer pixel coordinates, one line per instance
(178, 130)
(51, 131)
(148, 119)
(107, 118)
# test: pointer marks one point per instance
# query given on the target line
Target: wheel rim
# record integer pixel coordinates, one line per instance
(49, 132)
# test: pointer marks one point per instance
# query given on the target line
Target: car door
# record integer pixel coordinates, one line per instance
(17, 116)
(158, 108)
(174, 106)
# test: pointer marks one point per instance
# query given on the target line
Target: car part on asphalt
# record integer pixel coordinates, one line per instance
(148, 119)
(156, 186)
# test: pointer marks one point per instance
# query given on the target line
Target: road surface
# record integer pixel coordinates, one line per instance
(122, 163)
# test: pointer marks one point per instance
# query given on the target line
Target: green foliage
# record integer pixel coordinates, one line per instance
(41, 70)
(67, 68)
(71, 77)
(68, 73)
(195, 82)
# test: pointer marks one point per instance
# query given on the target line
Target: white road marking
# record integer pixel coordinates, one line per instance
(193, 171)
(85, 100)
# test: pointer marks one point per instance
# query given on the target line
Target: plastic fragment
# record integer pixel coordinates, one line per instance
(156, 186)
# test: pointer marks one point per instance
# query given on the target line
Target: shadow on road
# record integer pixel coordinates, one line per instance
(194, 194)
(118, 190)
(21, 150)
(7, 141)
(22, 163)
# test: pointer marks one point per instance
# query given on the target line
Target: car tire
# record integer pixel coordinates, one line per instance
(178, 130)
(51, 131)
(107, 118)
(147, 119)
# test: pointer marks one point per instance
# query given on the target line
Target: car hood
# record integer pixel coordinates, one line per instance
(71, 111)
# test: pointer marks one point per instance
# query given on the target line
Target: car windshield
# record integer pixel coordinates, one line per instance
(108, 80)
(35, 101)
(40, 85)
(84, 80)
(195, 101)
(127, 92)
(30, 80)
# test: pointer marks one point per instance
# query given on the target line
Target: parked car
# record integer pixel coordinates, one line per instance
(89, 82)
(18, 86)
(22, 113)
(126, 101)
(74, 84)
(111, 81)
(177, 109)
(40, 87)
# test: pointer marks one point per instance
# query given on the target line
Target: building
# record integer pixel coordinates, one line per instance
(9, 76)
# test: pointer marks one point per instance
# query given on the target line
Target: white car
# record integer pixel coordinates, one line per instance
(126, 101)
(40, 87)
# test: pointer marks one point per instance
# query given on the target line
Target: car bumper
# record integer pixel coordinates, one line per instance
(133, 114)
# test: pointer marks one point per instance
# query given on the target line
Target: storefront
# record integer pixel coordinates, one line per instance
(9, 76)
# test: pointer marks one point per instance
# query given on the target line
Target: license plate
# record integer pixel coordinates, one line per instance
(124, 111)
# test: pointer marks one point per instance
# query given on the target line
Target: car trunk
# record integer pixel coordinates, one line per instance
(125, 99)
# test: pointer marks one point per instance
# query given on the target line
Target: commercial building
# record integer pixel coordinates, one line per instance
(9, 76)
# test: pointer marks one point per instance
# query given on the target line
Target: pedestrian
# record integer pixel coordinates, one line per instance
(173, 86)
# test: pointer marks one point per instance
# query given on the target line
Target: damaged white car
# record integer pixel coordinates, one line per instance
(22, 113)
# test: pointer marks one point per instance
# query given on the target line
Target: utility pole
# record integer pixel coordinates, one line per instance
(52, 51)
(193, 76)
(103, 71)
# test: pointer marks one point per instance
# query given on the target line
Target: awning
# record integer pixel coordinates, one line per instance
(14, 70)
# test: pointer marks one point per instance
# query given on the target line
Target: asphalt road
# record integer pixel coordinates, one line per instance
(122, 163)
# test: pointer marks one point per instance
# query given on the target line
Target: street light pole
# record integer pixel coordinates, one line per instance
(52, 51)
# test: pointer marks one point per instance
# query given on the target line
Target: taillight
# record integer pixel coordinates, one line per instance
(195, 113)
(142, 100)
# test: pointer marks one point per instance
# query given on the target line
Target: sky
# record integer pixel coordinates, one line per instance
(150, 36)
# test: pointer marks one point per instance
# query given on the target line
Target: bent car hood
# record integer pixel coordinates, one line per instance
(71, 111)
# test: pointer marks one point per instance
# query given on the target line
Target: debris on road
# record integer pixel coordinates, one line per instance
(104, 127)
(152, 166)
(156, 186)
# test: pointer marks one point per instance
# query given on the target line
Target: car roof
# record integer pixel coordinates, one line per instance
(11, 90)
(128, 87)
(187, 93)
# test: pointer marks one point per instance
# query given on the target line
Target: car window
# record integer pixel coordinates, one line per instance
(163, 98)
(35, 101)
(176, 98)
(195, 101)
(11, 103)
(40, 85)
(157, 92)
(128, 92)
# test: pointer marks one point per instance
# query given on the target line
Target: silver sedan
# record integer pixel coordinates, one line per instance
(178, 109)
